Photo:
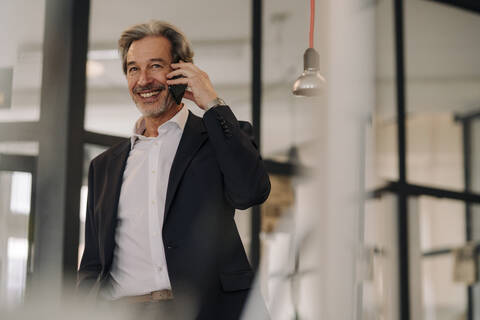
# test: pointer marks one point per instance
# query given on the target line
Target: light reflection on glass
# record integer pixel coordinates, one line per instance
(17, 253)
(21, 193)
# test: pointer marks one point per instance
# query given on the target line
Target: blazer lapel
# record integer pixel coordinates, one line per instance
(194, 135)
(115, 169)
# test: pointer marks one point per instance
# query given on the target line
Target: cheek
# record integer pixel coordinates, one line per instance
(131, 84)
(162, 78)
(160, 75)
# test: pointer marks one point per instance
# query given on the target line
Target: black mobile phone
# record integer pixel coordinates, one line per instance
(177, 90)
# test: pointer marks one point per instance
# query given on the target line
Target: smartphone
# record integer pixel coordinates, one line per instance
(177, 90)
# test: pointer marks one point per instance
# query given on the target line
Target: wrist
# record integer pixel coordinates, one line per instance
(214, 102)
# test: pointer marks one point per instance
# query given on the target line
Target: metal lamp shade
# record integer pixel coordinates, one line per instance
(311, 81)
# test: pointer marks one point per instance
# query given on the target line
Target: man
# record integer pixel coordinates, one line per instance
(159, 227)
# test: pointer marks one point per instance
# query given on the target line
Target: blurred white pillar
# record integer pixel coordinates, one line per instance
(347, 48)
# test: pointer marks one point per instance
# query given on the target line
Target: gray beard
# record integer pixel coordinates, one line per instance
(158, 110)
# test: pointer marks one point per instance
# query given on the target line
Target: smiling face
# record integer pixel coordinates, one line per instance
(148, 63)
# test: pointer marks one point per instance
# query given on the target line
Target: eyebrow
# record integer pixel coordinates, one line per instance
(151, 60)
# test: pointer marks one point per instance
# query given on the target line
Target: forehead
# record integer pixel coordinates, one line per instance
(149, 48)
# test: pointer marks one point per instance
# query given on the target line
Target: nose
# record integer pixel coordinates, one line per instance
(144, 78)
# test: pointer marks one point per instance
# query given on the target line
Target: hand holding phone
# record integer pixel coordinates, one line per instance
(200, 89)
(177, 90)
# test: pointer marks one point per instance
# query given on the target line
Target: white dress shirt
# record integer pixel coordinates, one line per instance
(139, 264)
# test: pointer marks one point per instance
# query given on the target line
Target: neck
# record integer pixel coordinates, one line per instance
(152, 123)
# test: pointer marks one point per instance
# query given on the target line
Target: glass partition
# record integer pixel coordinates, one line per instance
(442, 80)
(443, 298)
(384, 121)
(21, 59)
(15, 208)
(378, 261)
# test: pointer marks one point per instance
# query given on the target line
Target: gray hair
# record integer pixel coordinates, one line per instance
(180, 50)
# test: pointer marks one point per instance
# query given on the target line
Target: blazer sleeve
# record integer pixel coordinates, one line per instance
(90, 265)
(246, 181)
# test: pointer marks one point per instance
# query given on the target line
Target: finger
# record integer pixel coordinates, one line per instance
(177, 81)
(178, 72)
(185, 66)
(180, 64)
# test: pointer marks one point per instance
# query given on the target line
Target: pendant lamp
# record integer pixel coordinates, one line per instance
(310, 81)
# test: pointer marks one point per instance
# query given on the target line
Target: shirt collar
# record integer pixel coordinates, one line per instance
(179, 119)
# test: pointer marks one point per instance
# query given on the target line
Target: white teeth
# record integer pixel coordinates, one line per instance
(149, 94)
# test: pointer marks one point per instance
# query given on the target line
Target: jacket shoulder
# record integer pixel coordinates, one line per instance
(113, 151)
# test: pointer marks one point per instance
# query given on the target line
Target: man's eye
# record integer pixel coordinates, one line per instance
(132, 69)
(156, 65)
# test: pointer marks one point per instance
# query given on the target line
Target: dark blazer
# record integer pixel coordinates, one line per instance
(216, 169)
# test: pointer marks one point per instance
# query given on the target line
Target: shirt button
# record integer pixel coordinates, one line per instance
(153, 171)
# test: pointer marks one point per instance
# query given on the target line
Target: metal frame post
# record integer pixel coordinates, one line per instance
(467, 150)
(256, 119)
(402, 168)
(60, 160)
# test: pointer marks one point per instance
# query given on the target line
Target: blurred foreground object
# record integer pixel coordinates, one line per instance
(280, 200)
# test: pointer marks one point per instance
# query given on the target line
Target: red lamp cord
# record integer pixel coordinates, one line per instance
(312, 21)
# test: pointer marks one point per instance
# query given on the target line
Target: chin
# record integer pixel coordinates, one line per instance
(151, 111)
